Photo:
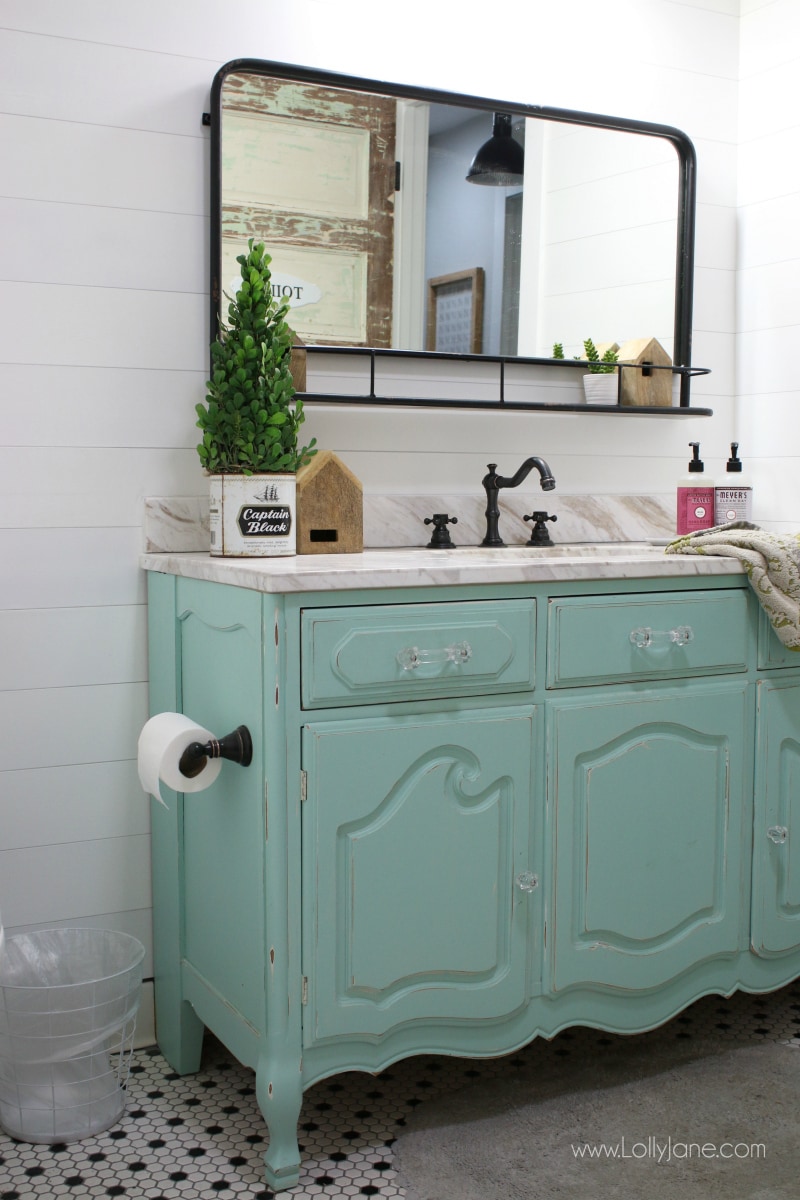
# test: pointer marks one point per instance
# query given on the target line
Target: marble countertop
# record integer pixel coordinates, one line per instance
(412, 567)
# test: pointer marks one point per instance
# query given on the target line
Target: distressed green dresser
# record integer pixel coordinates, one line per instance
(477, 811)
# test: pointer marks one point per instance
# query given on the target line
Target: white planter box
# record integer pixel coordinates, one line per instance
(253, 515)
(601, 388)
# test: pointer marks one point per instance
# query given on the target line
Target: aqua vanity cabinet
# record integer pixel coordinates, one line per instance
(475, 814)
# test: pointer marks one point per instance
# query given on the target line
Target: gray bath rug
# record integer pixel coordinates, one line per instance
(638, 1119)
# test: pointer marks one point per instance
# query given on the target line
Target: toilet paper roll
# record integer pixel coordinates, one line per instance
(161, 744)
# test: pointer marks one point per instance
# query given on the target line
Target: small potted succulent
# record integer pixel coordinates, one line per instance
(600, 384)
(250, 421)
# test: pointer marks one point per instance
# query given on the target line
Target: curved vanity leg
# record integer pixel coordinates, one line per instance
(279, 1091)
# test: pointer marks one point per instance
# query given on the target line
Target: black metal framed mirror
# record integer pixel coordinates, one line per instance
(385, 248)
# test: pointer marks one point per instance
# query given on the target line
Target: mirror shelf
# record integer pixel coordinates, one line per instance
(598, 233)
(505, 370)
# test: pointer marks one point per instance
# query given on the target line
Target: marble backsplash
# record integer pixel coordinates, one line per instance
(180, 524)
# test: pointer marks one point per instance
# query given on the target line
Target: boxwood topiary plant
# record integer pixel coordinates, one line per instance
(251, 417)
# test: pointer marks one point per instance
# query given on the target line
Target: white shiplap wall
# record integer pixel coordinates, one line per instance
(768, 404)
(103, 263)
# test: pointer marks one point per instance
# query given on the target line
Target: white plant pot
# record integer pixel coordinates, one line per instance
(253, 515)
(601, 389)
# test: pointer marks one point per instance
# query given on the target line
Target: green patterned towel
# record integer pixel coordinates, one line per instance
(772, 562)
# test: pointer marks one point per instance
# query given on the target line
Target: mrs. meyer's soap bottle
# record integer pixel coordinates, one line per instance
(695, 497)
(733, 499)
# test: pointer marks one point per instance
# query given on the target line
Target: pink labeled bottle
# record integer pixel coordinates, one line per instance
(695, 497)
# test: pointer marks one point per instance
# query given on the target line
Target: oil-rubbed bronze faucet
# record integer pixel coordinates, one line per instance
(492, 484)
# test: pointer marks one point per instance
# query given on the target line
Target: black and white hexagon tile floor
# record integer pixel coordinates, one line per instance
(200, 1137)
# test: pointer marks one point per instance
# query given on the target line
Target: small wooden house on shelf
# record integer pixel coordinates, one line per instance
(641, 388)
(330, 507)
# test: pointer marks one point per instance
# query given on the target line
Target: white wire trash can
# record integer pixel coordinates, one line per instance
(68, 1004)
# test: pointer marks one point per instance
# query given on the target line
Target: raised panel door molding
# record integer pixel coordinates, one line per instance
(647, 798)
(415, 831)
(776, 859)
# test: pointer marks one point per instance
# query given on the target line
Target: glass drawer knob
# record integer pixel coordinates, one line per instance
(644, 636)
(412, 657)
(527, 882)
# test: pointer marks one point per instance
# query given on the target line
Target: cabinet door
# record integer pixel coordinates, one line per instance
(415, 848)
(648, 813)
(776, 828)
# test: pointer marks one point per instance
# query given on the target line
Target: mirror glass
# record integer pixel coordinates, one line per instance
(378, 240)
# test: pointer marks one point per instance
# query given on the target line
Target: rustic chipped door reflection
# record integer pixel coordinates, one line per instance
(310, 171)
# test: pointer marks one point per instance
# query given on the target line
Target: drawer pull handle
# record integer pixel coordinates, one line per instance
(412, 657)
(526, 881)
(778, 834)
(644, 636)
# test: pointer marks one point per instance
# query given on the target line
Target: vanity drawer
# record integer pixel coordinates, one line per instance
(605, 639)
(771, 651)
(416, 651)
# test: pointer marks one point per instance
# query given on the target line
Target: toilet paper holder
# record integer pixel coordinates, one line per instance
(236, 747)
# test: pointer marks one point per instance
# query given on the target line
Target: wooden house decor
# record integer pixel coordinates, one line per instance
(330, 507)
(603, 347)
(639, 388)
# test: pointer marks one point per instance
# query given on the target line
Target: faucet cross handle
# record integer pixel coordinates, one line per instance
(540, 534)
(440, 538)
